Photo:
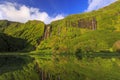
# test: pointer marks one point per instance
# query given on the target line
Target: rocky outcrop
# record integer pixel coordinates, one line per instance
(47, 31)
(89, 23)
(46, 34)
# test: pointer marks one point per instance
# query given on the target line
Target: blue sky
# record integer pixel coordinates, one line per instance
(54, 7)
(46, 10)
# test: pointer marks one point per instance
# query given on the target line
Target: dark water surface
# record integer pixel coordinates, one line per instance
(58, 67)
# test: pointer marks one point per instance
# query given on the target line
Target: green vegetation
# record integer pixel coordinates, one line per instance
(54, 67)
(13, 67)
(94, 31)
(31, 32)
(91, 32)
(69, 68)
(9, 43)
(79, 47)
(49, 67)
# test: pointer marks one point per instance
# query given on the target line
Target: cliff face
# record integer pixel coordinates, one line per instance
(47, 31)
(29, 32)
(32, 33)
(91, 31)
(83, 23)
(73, 26)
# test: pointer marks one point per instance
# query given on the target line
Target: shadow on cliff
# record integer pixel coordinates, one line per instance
(12, 44)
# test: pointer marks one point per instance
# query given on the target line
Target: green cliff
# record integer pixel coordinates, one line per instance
(30, 32)
(79, 47)
(94, 31)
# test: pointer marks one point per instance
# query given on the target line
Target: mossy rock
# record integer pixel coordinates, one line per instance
(116, 46)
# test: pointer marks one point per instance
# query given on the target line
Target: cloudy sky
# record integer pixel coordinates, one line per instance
(46, 10)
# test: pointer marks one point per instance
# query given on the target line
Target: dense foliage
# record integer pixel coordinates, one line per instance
(14, 67)
(79, 47)
(31, 32)
(95, 31)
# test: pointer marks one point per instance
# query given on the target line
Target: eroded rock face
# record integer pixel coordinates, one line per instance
(83, 23)
(47, 31)
(46, 34)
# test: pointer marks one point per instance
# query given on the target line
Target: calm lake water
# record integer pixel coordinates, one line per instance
(49, 67)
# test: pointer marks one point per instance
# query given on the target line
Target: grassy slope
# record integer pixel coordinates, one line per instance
(31, 31)
(67, 38)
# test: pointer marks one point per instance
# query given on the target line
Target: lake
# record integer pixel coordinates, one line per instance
(58, 67)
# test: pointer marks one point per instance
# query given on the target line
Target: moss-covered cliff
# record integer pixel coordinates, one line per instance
(95, 31)
(31, 32)
(88, 32)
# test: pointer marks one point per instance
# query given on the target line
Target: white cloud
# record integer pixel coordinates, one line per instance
(22, 13)
(96, 4)
(58, 17)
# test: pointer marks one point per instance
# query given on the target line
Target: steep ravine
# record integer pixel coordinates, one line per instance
(46, 34)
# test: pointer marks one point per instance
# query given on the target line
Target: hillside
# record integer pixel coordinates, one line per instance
(79, 47)
(94, 31)
(30, 32)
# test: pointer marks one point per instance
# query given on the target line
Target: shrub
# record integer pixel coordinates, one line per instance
(116, 46)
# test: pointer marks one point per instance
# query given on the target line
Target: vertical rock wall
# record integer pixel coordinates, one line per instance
(89, 23)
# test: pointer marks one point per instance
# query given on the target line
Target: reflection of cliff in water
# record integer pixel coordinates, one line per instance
(56, 67)
(10, 63)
